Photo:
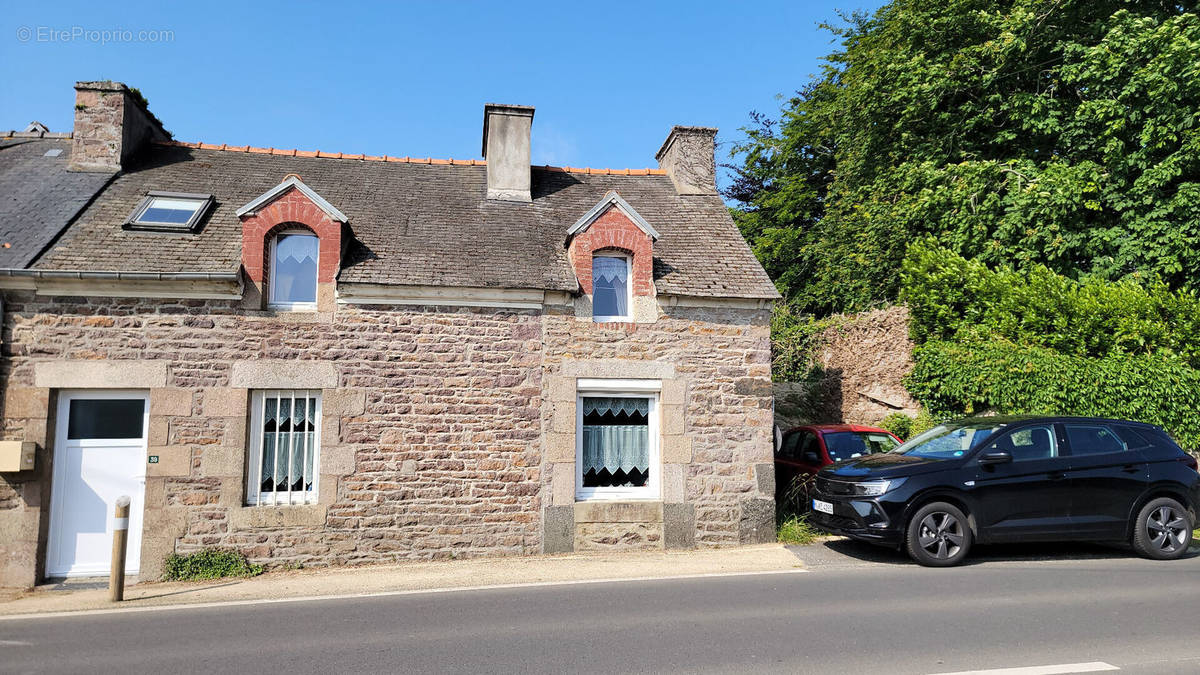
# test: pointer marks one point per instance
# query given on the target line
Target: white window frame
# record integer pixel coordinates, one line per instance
(649, 389)
(254, 494)
(292, 306)
(600, 318)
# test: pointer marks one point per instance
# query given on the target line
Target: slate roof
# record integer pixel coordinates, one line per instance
(413, 223)
(38, 196)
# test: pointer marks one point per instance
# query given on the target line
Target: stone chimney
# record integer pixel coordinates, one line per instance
(506, 131)
(688, 157)
(111, 123)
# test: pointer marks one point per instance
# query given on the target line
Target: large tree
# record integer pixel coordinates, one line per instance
(1060, 132)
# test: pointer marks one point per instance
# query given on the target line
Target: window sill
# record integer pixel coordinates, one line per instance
(291, 316)
(587, 496)
(622, 511)
(612, 319)
(284, 515)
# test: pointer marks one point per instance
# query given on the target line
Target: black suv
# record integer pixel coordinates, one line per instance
(1010, 479)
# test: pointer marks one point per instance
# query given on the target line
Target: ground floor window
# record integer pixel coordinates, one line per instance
(285, 447)
(617, 441)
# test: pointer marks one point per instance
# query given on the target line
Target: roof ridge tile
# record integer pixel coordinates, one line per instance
(389, 158)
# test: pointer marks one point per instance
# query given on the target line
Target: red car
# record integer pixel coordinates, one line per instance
(805, 450)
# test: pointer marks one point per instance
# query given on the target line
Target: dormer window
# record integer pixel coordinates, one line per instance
(293, 283)
(611, 290)
(169, 212)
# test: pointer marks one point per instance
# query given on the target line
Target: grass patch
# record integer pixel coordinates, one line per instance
(795, 530)
(791, 515)
(208, 564)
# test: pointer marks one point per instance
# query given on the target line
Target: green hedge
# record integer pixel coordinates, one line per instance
(1033, 341)
(957, 378)
(961, 300)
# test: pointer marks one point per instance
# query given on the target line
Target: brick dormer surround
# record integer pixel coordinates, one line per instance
(290, 205)
(613, 225)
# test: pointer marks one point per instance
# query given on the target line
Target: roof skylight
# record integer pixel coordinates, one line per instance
(170, 211)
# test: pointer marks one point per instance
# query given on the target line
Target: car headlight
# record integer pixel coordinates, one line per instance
(874, 488)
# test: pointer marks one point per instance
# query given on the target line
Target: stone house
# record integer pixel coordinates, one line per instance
(321, 358)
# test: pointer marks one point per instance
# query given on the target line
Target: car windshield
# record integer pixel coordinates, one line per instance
(948, 441)
(850, 444)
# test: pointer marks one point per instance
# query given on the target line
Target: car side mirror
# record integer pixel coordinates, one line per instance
(995, 457)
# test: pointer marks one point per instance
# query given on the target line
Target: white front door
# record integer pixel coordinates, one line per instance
(99, 455)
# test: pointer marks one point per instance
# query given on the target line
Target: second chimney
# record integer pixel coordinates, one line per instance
(111, 123)
(688, 157)
(506, 131)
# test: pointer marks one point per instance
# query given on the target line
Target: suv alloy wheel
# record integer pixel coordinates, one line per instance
(938, 535)
(1163, 529)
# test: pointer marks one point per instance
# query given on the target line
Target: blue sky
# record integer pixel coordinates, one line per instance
(410, 78)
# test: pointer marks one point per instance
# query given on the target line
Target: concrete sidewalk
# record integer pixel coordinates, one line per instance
(412, 577)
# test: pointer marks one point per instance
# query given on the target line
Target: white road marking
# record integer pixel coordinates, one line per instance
(1060, 669)
(382, 594)
(15, 643)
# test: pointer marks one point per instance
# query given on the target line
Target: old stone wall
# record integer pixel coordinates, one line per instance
(864, 359)
(717, 475)
(431, 433)
(444, 432)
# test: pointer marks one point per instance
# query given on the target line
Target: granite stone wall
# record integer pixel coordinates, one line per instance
(430, 430)
(717, 471)
(443, 431)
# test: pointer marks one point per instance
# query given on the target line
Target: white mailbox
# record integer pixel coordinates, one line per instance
(17, 455)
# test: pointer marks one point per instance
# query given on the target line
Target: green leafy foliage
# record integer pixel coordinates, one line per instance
(1013, 132)
(208, 564)
(906, 427)
(922, 422)
(954, 299)
(1036, 342)
(964, 378)
(899, 424)
(793, 343)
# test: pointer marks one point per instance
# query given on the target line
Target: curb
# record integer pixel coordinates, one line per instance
(378, 594)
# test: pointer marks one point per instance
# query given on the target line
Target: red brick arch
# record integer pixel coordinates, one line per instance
(613, 230)
(292, 210)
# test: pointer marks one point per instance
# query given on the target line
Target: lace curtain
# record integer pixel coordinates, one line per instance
(616, 405)
(289, 444)
(610, 286)
(612, 447)
(616, 446)
(295, 268)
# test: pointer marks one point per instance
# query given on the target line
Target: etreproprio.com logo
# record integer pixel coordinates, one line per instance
(94, 35)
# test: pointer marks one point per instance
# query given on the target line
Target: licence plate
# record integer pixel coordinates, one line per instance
(823, 507)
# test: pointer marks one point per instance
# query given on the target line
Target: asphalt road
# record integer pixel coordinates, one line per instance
(857, 610)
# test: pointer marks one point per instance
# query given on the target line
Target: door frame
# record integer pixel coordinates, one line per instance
(58, 480)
